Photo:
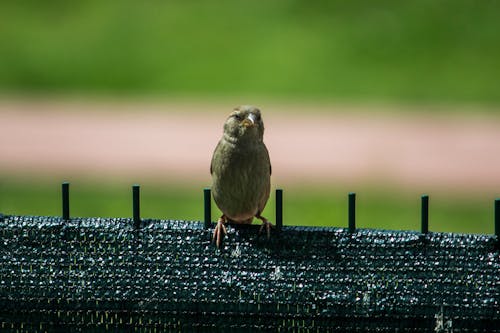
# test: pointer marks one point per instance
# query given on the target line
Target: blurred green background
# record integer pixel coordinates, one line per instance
(411, 51)
(396, 52)
(317, 206)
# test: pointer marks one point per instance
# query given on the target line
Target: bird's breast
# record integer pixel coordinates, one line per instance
(241, 179)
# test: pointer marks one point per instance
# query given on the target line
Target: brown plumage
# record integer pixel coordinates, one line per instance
(241, 171)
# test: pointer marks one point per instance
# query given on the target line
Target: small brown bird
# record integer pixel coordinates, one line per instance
(241, 171)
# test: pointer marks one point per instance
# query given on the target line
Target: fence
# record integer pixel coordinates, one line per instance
(63, 274)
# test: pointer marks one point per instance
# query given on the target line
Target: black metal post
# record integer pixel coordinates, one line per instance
(208, 207)
(497, 218)
(352, 212)
(279, 209)
(136, 205)
(425, 214)
(65, 201)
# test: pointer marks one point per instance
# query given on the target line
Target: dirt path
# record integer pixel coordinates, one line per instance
(142, 142)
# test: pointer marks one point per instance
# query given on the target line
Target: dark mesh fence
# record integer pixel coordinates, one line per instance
(96, 274)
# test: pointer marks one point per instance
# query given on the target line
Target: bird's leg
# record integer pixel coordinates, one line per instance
(265, 224)
(219, 229)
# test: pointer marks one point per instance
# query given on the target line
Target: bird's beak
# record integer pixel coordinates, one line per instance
(249, 121)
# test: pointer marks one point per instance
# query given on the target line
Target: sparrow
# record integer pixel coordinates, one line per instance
(241, 171)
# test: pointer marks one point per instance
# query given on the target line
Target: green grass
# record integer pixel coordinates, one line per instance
(411, 51)
(302, 206)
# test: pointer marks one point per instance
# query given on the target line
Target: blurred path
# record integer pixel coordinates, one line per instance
(169, 142)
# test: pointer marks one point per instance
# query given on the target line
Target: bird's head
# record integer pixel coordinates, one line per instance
(245, 122)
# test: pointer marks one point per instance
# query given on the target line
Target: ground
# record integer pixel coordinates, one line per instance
(417, 149)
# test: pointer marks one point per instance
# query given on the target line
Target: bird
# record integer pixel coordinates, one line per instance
(241, 171)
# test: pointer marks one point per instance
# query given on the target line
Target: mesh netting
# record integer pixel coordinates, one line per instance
(93, 274)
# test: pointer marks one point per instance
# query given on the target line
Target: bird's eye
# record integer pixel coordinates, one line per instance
(237, 116)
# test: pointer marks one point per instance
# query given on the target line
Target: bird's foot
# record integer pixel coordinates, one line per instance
(220, 229)
(265, 225)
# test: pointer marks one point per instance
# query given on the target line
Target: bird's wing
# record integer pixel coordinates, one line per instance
(213, 157)
(267, 153)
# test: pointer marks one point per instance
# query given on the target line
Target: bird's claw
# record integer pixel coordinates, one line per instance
(219, 229)
(267, 225)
